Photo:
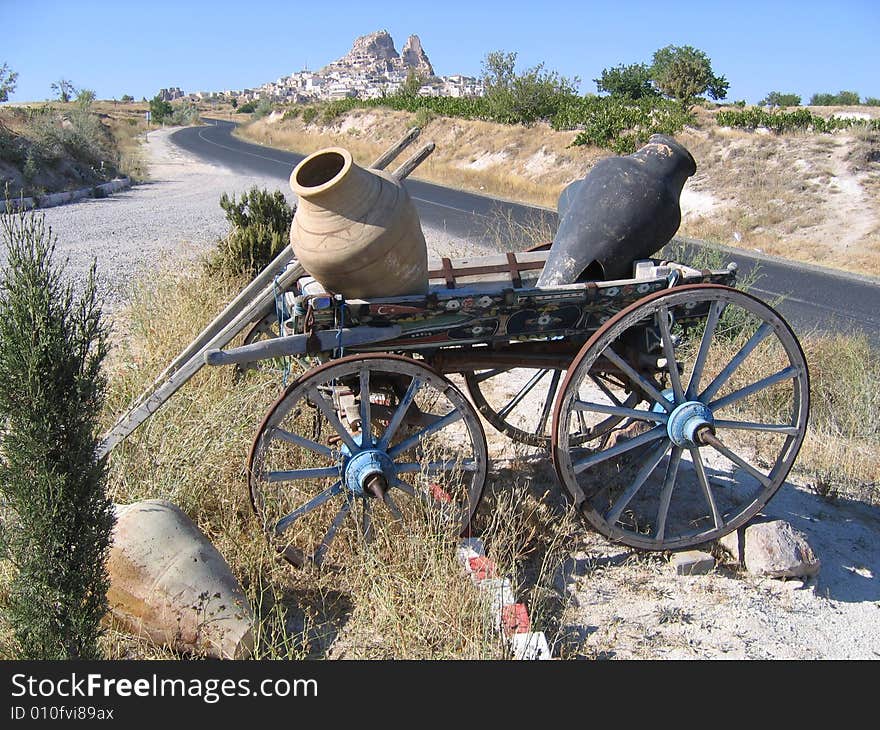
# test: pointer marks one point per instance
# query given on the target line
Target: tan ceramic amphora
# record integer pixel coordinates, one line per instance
(356, 230)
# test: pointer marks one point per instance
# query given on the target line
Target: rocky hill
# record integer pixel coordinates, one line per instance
(375, 54)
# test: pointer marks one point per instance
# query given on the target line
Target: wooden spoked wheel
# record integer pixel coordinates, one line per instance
(711, 444)
(518, 402)
(318, 478)
(265, 329)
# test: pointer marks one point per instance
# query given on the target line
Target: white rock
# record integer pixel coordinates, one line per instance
(775, 549)
(692, 562)
(732, 543)
(530, 646)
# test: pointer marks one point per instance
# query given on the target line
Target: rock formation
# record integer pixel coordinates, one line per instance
(375, 53)
(414, 56)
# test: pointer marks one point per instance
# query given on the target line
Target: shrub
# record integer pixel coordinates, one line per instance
(291, 113)
(58, 520)
(309, 114)
(184, 113)
(260, 223)
(799, 120)
(872, 101)
(524, 98)
(622, 124)
(632, 82)
(249, 107)
(262, 108)
(841, 98)
(78, 133)
(424, 117)
(777, 98)
(160, 109)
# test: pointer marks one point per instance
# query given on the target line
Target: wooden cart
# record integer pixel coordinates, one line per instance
(672, 405)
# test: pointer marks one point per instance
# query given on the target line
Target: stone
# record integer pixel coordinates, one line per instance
(375, 53)
(692, 562)
(170, 584)
(776, 550)
(498, 593)
(414, 57)
(468, 548)
(531, 646)
(732, 543)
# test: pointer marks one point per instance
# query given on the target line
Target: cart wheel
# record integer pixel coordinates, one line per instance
(317, 478)
(704, 454)
(518, 402)
(265, 329)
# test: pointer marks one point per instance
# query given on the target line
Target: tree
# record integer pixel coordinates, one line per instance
(841, 98)
(410, 87)
(127, 98)
(64, 89)
(633, 81)
(777, 98)
(685, 73)
(85, 98)
(57, 519)
(522, 98)
(160, 109)
(8, 77)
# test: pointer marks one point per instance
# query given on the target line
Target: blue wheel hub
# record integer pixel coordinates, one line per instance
(364, 466)
(685, 422)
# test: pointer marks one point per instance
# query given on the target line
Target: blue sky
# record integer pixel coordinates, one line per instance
(134, 48)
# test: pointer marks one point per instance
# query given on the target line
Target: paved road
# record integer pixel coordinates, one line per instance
(814, 297)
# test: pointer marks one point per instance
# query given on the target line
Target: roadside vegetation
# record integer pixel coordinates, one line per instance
(402, 596)
(55, 518)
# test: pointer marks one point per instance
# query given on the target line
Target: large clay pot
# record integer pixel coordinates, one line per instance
(356, 230)
(625, 209)
(171, 585)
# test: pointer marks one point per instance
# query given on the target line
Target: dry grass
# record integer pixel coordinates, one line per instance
(528, 164)
(402, 596)
(813, 198)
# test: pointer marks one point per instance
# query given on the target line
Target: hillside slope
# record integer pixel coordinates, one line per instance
(809, 197)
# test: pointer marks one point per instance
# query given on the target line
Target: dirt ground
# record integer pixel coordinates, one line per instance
(622, 603)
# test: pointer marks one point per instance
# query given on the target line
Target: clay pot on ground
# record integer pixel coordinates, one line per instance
(625, 209)
(170, 584)
(356, 230)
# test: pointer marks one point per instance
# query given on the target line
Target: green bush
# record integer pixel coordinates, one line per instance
(872, 101)
(777, 98)
(78, 134)
(263, 108)
(309, 114)
(291, 113)
(841, 98)
(57, 520)
(632, 81)
(621, 124)
(249, 107)
(802, 120)
(185, 113)
(159, 109)
(260, 228)
(521, 98)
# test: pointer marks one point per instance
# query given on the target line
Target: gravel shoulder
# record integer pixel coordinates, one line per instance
(619, 603)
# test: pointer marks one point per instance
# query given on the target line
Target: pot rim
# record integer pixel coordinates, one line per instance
(307, 191)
